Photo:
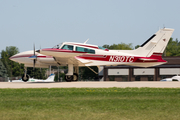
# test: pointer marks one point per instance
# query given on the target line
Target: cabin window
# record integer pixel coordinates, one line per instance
(67, 47)
(81, 49)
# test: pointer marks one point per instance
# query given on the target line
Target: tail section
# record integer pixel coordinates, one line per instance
(156, 44)
(50, 78)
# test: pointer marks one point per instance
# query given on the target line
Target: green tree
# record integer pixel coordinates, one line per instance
(121, 46)
(106, 46)
(173, 48)
(137, 46)
(3, 71)
(10, 65)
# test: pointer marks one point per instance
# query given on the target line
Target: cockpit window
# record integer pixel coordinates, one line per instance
(67, 47)
(81, 49)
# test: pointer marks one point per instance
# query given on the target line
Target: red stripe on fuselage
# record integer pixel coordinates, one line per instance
(116, 58)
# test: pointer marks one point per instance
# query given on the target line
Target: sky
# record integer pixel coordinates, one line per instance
(46, 23)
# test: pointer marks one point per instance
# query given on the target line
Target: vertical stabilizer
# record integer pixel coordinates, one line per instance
(50, 78)
(156, 43)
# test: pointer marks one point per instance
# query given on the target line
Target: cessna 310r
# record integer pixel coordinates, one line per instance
(82, 54)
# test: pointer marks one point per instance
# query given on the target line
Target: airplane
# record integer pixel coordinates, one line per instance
(49, 79)
(174, 78)
(75, 55)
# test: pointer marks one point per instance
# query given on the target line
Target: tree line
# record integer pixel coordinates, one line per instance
(10, 68)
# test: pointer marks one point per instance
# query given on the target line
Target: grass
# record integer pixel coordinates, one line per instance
(90, 104)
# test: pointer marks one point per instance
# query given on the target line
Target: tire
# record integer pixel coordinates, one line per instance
(71, 78)
(25, 78)
(68, 78)
(75, 77)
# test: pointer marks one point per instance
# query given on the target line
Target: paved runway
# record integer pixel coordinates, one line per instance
(107, 84)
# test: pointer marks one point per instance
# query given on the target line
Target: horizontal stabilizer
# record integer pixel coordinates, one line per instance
(148, 60)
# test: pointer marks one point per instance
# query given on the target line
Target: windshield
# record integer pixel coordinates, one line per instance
(67, 47)
(57, 46)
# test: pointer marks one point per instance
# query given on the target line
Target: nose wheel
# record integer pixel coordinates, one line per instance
(25, 77)
(71, 78)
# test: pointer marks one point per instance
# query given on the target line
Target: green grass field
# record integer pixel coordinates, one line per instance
(90, 104)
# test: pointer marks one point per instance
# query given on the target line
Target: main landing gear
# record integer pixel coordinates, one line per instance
(70, 76)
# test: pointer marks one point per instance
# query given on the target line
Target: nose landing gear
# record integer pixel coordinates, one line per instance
(25, 76)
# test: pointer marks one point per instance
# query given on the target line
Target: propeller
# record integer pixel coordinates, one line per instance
(34, 58)
(34, 61)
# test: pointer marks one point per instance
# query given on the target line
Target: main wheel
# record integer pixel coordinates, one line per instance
(75, 77)
(69, 78)
(25, 78)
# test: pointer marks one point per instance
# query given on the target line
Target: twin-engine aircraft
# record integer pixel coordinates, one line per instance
(74, 55)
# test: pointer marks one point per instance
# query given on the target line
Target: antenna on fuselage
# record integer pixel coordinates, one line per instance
(86, 41)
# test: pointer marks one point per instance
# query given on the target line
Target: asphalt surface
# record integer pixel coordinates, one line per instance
(104, 84)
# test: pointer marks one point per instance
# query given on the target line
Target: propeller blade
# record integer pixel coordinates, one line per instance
(34, 62)
(34, 57)
(34, 50)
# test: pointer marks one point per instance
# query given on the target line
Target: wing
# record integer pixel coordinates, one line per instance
(63, 57)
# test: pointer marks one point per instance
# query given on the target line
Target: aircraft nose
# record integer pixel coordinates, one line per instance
(13, 57)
